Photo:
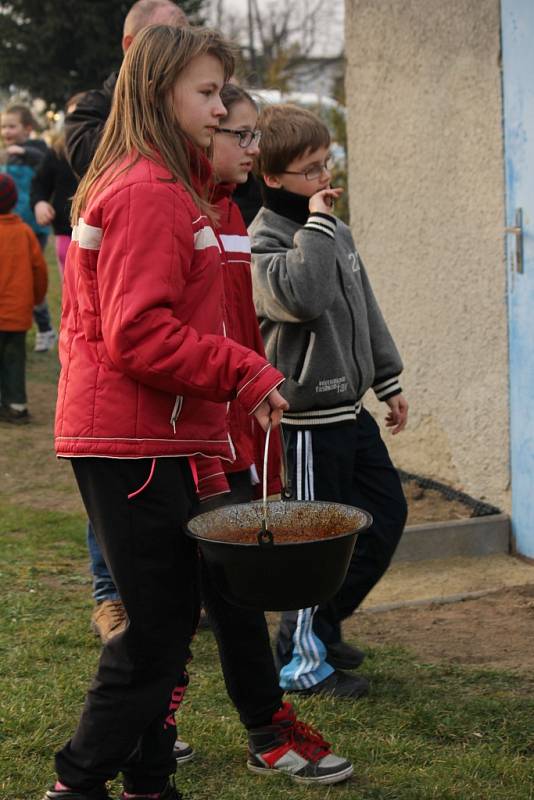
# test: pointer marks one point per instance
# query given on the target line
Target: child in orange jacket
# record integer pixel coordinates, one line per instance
(23, 284)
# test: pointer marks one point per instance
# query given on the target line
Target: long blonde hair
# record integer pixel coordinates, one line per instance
(142, 119)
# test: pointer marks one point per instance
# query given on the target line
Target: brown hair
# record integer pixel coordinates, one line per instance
(24, 114)
(231, 94)
(288, 132)
(142, 119)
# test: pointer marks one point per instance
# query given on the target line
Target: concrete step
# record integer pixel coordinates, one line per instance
(478, 536)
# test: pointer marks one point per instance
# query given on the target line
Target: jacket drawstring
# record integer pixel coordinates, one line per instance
(146, 483)
(194, 471)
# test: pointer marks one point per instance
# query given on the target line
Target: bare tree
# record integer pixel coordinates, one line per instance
(277, 38)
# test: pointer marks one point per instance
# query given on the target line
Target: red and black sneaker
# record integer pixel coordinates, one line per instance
(291, 747)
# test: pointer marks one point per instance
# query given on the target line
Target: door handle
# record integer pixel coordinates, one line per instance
(517, 231)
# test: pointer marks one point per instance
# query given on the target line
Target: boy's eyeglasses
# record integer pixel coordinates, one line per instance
(245, 137)
(313, 172)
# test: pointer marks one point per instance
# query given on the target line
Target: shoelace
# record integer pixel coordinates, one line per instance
(117, 612)
(309, 741)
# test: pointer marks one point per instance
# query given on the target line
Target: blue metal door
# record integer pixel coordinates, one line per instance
(518, 86)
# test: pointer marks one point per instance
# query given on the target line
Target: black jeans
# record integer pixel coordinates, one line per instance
(128, 719)
(12, 367)
(349, 464)
(242, 635)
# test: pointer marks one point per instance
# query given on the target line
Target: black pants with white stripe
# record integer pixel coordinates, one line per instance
(349, 464)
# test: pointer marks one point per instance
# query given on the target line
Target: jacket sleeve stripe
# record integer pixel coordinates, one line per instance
(205, 238)
(383, 384)
(322, 224)
(235, 244)
(89, 237)
(387, 389)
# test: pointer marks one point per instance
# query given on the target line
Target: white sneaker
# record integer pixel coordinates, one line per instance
(182, 751)
(45, 340)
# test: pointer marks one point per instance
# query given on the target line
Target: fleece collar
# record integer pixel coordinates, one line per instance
(287, 204)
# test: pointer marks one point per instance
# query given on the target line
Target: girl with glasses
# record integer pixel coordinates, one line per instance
(277, 740)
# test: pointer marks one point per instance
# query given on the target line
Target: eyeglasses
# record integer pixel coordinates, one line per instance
(246, 138)
(313, 172)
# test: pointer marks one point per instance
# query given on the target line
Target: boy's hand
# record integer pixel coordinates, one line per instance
(398, 415)
(323, 201)
(15, 150)
(271, 410)
(44, 212)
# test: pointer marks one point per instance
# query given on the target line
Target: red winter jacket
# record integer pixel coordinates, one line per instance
(145, 370)
(241, 325)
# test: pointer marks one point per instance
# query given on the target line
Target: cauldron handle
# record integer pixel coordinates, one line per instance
(265, 537)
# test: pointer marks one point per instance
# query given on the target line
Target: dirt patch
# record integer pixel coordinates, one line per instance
(430, 505)
(51, 483)
(495, 631)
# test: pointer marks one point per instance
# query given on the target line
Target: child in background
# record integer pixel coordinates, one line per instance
(322, 328)
(20, 158)
(23, 282)
(142, 332)
(52, 188)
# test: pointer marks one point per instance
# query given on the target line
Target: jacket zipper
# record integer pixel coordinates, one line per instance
(353, 321)
(178, 403)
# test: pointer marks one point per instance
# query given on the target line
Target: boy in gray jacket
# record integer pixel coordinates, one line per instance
(323, 329)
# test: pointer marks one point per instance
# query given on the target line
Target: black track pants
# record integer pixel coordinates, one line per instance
(345, 464)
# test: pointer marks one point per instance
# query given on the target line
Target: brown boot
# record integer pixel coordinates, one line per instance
(109, 619)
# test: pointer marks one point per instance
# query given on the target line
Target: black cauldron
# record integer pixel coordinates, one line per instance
(299, 559)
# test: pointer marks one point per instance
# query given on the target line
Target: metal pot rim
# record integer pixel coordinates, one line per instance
(365, 520)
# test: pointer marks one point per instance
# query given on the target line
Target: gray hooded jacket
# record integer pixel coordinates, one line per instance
(319, 318)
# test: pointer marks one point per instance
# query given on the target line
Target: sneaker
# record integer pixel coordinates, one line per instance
(338, 684)
(109, 618)
(99, 793)
(169, 793)
(182, 751)
(45, 340)
(289, 746)
(8, 414)
(344, 656)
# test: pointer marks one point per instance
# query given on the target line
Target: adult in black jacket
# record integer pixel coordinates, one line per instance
(83, 127)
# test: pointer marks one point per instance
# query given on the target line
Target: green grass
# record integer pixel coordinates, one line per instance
(427, 732)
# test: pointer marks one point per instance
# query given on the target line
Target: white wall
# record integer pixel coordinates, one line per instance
(426, 193)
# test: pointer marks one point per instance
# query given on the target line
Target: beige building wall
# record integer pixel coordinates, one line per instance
(427, 208)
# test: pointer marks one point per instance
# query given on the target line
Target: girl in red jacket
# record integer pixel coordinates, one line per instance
(145, 376)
